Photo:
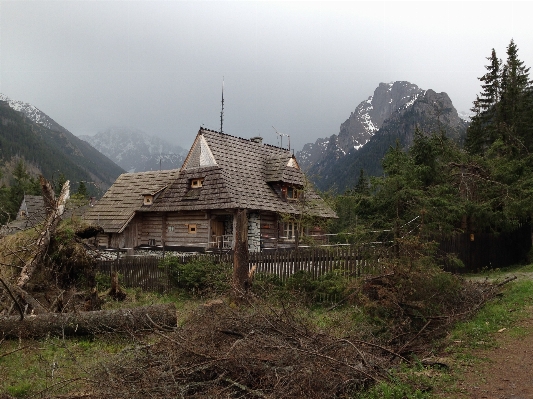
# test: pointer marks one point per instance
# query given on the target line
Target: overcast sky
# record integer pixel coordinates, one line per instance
(301, 67)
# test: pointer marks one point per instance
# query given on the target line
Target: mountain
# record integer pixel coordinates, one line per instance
(137, 151)
(391, 115)
(28, 133)
(362, 124)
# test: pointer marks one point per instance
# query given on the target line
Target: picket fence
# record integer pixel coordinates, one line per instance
(150, 274)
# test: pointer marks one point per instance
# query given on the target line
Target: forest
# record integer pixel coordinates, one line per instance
(485, 185)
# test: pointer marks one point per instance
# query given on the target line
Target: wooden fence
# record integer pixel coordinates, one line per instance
(484, 250)
(352, 262)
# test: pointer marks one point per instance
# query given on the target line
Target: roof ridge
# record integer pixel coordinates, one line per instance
(146, 172)
(245, 139)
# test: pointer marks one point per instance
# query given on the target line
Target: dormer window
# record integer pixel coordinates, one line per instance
(290, 193)
(196, 183)
(148, 199)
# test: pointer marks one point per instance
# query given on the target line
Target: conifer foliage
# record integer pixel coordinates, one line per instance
(503, 108)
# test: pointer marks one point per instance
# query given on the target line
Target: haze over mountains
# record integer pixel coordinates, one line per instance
(135, 150)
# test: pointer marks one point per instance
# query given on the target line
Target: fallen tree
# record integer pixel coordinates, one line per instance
(54, 211)
(148, 318)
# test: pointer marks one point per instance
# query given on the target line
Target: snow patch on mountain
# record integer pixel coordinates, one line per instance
(31, 112)
(362, 124)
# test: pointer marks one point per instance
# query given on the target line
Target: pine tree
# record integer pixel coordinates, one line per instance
(483, 129)
(82, 190)
(515, 101)
(515, 82)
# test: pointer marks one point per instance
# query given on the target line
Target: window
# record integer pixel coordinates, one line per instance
(148, 200)
(151, 242)
(289, 230)
(291, 193)
(192, 229)
(196, 183)
(170, 229)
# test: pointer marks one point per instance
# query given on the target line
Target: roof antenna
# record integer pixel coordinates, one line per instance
(280, 135)
(222, 111)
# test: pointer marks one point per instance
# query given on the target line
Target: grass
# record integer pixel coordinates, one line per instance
(502, 312)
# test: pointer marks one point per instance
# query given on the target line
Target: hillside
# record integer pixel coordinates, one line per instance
(137, 151)
(28, 133)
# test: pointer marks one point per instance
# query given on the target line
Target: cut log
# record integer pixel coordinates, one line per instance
(146, 318)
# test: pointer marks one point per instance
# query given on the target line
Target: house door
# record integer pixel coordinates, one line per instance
(217, 232)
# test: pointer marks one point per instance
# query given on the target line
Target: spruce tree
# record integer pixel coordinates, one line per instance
(515, 81)
(515, 101)
(82, 190)
(483, 129)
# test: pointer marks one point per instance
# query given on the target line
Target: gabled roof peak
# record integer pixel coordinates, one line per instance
(203, 129)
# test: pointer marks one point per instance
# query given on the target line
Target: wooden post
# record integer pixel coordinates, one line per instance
(240, 255)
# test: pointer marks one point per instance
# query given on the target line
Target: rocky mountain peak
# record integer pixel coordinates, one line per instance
(362, 123)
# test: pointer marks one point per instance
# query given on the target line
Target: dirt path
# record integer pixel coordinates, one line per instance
(507, 370)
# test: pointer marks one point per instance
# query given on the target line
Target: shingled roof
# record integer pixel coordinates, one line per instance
(236, 173)
(33, 208)
(31, 212)
(118, 205)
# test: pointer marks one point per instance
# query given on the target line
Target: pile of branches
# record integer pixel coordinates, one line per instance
(257, 351)
(417, 301)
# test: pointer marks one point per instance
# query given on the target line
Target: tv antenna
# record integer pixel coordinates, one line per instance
(280, 135)
(222, 110)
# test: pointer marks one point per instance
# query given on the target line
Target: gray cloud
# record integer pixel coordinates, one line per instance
(301, 67)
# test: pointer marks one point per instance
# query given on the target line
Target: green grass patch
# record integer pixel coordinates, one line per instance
(501, 312)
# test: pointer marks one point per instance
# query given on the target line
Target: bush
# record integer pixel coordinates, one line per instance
(329, 286)
(199, 276)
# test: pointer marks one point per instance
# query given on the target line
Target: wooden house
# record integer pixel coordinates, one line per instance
(221, 174)
(115, 212)
(31, 213)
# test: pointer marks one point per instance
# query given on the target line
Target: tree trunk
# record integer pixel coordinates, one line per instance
(52, 220)
(240, 256)
(86, 323)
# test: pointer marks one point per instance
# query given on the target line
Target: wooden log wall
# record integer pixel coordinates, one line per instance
(177, 229)
(151, 229)
(269, 230)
